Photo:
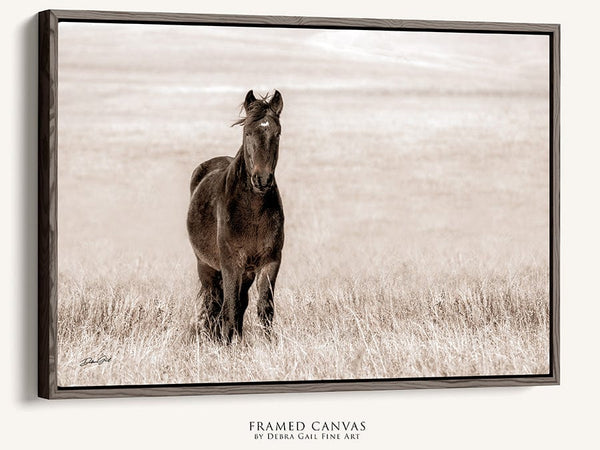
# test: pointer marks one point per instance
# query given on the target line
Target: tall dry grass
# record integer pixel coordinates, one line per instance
(460, 319)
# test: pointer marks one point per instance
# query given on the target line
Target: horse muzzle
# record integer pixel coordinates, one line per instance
(262, 183)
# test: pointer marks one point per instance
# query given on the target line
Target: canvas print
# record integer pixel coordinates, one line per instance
(259, 204)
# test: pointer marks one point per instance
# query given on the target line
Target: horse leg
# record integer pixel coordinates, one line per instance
(211, 294)
(266, 288)
(232, 283)
(247, 280)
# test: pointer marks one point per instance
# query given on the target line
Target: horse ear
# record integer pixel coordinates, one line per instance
(250, 98)
(276, 102)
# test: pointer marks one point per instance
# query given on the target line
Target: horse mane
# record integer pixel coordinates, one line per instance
(255, 112)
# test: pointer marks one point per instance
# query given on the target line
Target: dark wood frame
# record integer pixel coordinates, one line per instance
(47, 202)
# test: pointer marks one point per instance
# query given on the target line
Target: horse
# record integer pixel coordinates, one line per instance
(235, 224)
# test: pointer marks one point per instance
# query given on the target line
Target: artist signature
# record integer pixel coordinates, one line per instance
(101, 360)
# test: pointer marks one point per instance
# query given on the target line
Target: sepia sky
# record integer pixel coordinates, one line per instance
(218, 59)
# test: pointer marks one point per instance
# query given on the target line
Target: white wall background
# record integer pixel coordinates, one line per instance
(549, 417)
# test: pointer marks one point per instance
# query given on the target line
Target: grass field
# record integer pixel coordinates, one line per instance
(414, 177)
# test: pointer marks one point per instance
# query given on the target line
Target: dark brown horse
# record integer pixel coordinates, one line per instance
(235, 223)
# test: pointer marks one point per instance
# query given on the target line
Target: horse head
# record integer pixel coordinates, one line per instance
(261, 139)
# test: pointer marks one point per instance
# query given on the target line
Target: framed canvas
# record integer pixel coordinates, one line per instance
(246, 204)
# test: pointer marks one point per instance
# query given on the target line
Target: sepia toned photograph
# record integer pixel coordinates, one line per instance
(243, 204)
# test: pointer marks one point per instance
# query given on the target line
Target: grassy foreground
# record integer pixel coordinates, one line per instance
(460, 323)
